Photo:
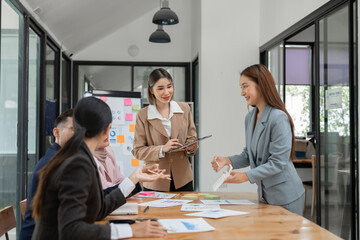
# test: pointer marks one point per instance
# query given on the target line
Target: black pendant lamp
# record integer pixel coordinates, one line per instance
(165, 16)
(159, 36)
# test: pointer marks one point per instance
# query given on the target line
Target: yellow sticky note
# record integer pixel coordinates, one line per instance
(134, 162)
(132, 127)
(135, 107)
(120, 138)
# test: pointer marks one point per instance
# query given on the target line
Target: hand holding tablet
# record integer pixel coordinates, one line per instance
(189, 144)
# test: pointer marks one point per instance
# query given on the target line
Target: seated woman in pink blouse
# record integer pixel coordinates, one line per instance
(109, 171)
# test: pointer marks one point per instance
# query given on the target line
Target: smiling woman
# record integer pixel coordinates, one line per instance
(162, 126)
(269, 144)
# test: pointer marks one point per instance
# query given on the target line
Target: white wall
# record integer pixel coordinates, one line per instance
(229, 43)
(195, 28)
(114, 47)
(278, 15)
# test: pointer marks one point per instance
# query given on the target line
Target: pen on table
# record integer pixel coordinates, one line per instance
(151, 171)
(147, 208)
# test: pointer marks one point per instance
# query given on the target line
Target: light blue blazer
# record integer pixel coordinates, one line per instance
(267, 151)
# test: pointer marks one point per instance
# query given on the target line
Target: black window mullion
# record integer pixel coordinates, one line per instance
(353, 125)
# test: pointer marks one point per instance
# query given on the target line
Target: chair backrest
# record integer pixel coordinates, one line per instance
(23, 208)
(313, 163)
(7, 220)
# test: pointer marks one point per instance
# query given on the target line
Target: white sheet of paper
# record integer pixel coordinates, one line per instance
(165, 203)
(126, 209)
(239, 202)
(221, 179)
(193, 207)
(186, 225)
(158, 195)
(217, 213)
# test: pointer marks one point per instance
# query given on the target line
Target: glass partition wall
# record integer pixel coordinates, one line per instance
(33, 101)
(320, 92)
(335, 122)
(29, 77)
(11, 72)
(129, 77)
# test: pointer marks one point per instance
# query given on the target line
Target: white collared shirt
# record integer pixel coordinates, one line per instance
(153, 113)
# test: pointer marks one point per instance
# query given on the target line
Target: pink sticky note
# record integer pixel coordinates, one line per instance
(146, 193)
(103, 98)
(128, 116)
(127, 102)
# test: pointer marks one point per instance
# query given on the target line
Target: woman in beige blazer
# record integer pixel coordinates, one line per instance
(162, 126)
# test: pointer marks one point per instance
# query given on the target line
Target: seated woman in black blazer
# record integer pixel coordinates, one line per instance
(69, 198)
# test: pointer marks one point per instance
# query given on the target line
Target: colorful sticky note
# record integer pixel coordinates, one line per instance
(103, 98)
(128, 116)
(146, 193)
(127, 102)
(134, 162)
(131, 127)
(135, 107)
(120, 138)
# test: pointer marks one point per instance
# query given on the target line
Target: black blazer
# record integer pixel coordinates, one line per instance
(74, 200)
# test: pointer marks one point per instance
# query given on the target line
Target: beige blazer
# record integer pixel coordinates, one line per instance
(150, 135)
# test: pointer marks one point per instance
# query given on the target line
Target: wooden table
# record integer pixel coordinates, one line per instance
(263, 222)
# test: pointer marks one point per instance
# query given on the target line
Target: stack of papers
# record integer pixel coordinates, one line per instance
(193, 207)
(240, 202)
(217, 213)
(185, 225)
(156, 195)
(165, 203)
(126, 209)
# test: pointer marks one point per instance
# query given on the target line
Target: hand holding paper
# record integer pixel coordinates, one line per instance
(222, 178)
(219, 162)
(236, 177)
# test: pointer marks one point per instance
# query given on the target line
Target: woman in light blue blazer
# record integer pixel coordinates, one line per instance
(270, 140)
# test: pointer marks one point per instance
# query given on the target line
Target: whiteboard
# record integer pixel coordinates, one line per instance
(124, 108)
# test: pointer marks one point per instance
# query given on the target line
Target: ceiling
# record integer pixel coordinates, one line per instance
(78, 24)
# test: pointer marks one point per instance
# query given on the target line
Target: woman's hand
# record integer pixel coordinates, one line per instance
(219, 162)
(148, 174)
(191, 147)
(236, 177)
(171, 144)
(147, 229)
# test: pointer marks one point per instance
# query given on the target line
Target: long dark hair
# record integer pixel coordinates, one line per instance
(153, 78)
(91, 117)
(263, 78)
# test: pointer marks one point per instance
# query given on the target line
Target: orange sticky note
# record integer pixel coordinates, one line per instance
(132, 127)
(134, 162)
(120, 138)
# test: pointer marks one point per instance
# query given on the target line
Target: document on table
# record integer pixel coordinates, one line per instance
(156, 195)
(165, 203)
(234, 202)
(193, 207)
(186, 225)
(217, 213)
(126, 209)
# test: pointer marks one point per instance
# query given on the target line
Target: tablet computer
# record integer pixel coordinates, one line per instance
(189, 144)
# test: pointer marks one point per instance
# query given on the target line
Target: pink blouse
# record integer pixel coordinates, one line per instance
(109, 171)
